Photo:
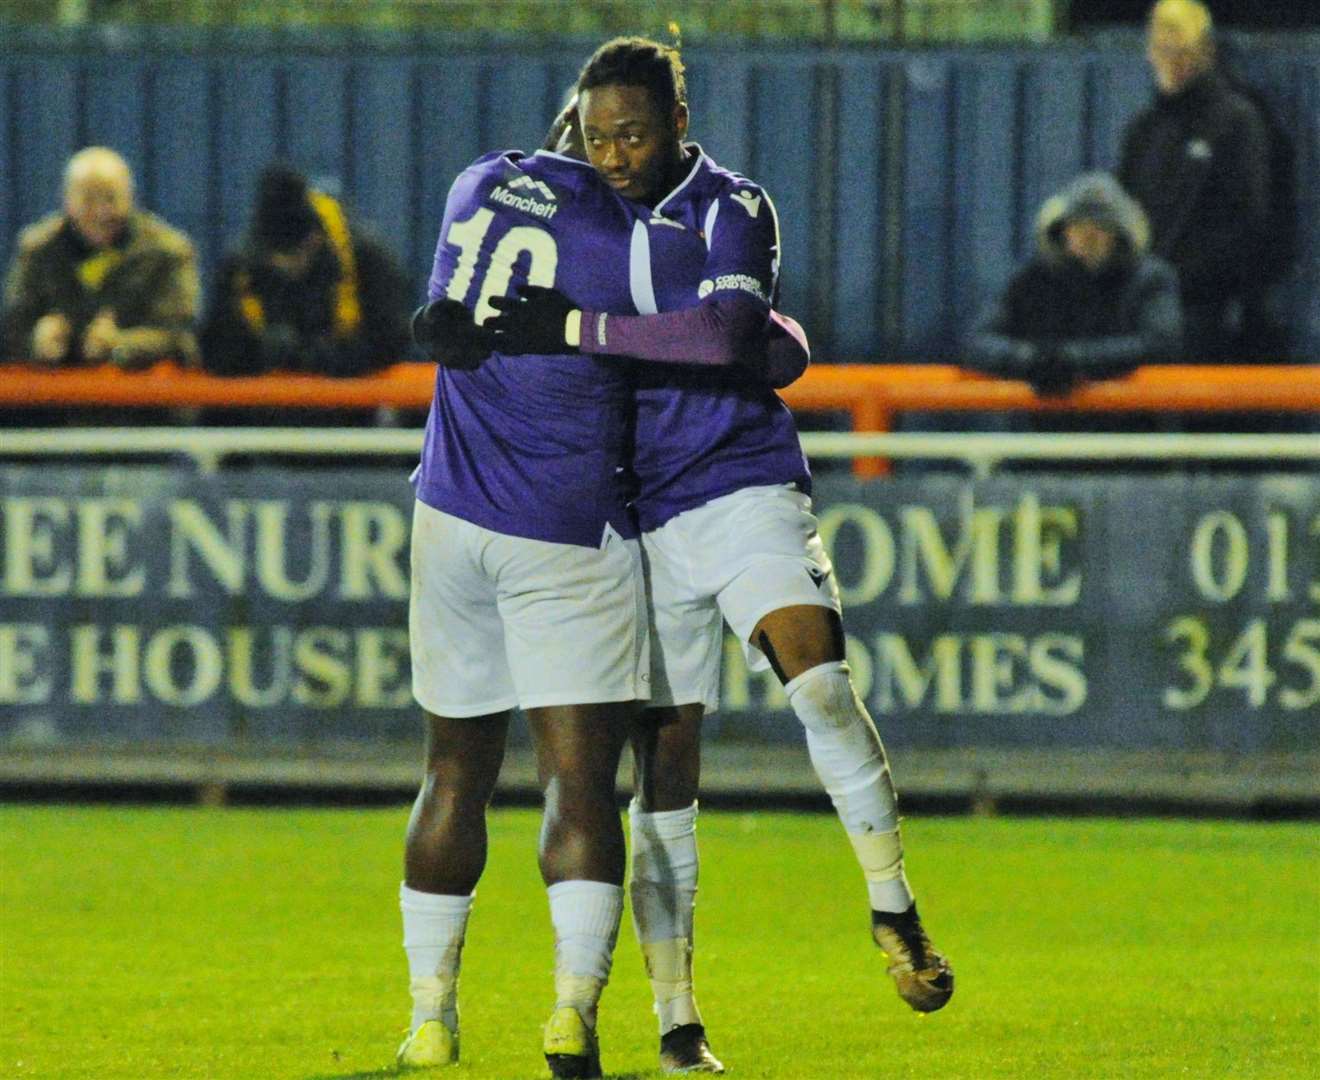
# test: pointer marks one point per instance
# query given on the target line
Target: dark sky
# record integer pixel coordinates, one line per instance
(1241, 14)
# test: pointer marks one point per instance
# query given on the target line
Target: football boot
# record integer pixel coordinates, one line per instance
(432, 1044)
(571, 1049)
(685, 1050)
(920, 972)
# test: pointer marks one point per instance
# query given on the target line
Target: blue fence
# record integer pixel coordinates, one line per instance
(906, 181)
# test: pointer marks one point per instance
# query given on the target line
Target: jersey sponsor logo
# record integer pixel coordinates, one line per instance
(532, 203)
(527, 183)
(749, 202)
(733, 282)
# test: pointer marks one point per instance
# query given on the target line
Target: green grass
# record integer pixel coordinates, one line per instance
(265, 944)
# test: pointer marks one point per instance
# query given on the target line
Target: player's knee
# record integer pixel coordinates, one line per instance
(824, 700)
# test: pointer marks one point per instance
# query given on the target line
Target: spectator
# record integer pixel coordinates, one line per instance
(1267, 320)
(1092, 304)
(101, 282)
(1197, 160)
(306, 292)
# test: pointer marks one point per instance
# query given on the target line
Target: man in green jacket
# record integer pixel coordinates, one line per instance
(101, 282)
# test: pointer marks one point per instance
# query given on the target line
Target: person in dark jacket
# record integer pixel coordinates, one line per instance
(1197, 160)
(1092, 304)
(100, 281)
(306, 292)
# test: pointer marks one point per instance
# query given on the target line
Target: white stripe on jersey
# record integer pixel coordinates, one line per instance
(639, 270)
(711, 215)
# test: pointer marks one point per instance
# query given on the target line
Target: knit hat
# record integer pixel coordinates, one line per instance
(283, 216)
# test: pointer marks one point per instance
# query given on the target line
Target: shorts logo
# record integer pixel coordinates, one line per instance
(538, 200)
(749, 202)
(735, 282)
(817, 575)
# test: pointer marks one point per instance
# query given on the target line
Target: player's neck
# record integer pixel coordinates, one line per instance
(673, 175)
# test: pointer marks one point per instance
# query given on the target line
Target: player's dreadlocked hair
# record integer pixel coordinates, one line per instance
(638, 61)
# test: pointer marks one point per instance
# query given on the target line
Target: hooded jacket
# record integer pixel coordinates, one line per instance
(1058, 322)
(346, 316)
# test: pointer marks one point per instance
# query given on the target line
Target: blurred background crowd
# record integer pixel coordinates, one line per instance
(1156, 200)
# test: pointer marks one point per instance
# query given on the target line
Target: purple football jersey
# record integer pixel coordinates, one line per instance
(703, 432)
(527, 445)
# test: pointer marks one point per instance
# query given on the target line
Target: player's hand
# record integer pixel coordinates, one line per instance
(50, 338)
(565, 134)
(535, 321)
(445, 329)
(101, 337)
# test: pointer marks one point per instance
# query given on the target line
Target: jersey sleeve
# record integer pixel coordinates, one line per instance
(742, 237)
(464, 197)
(740, 278)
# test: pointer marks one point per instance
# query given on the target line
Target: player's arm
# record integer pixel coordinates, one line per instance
(444, 326)
(787, 353)
(731, 325)
(718, 332)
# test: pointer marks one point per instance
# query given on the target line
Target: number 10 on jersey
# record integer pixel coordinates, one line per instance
(469, 236)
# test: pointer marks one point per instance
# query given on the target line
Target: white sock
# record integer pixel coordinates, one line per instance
(434, 927)
(586, 917)
(663, 891)
(850, 760)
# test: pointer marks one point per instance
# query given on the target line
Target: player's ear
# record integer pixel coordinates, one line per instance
(681, 119)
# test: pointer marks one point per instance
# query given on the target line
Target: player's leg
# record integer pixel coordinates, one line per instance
(444, 855)
(582, 858)
(662, 819)
(782, 601)
(804, 645)
(462, 681)
(686, 641)
(577, 643)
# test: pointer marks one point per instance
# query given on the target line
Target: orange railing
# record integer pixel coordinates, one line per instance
(872, 394)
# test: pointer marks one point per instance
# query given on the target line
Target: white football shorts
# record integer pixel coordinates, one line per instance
(497, 621)
(737, 558)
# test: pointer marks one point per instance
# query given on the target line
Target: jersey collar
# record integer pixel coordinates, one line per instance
(699, 163)
(555, 155)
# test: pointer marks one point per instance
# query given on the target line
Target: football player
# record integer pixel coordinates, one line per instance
(527, 591)
(728, 533)
(526, 585)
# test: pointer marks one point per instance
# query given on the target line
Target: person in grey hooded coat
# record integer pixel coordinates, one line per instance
(1093, 303)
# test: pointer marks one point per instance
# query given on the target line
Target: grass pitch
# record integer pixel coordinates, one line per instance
(245, 944)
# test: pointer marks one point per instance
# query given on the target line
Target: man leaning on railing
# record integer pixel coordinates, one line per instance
(101, 281)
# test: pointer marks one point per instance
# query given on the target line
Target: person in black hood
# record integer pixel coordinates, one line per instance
(307, 291)
(1197, 160)
(1092, 304)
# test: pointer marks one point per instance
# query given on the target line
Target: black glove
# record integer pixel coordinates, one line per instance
(444, 328)
(533, 322)
(1050, 374)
